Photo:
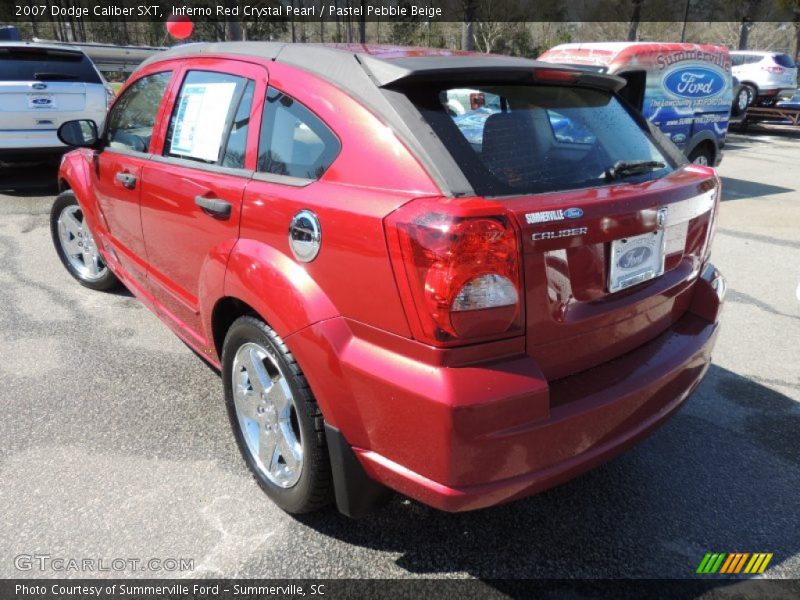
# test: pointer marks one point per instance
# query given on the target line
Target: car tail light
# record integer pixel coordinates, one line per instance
(110, 95)
(458, 267)
(713, 185)
(556, 75)
(776, 70)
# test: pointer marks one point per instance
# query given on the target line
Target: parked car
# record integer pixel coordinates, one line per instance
(793, 102)
(685, 90)
(767, 76)
(41, 87)
(390, 305)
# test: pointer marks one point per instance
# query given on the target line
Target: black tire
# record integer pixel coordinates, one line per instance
(702, 155)
(106, 280)
(741, 101)
(752, 92)
(314, 489)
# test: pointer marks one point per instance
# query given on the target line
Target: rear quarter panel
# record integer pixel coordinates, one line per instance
(352, 276)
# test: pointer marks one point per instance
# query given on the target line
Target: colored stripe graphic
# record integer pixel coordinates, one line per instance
(733, 562)
(758, 563)
(711, 562)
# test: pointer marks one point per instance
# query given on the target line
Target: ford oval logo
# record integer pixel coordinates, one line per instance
(573, 213)
(694, 82)
(679, 137)
(41, 101)
(39, 86)
(634, 257)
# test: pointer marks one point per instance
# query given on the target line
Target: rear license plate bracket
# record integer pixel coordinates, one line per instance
(636, 259)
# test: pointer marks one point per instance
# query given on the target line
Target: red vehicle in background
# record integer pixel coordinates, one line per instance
(394, 302)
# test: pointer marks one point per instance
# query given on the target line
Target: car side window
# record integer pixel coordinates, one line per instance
(210, 119)
(294, 141)
(131, 122)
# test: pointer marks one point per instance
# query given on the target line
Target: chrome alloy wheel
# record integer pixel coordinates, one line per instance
(267, 415)
(743, 99)
(78, 244)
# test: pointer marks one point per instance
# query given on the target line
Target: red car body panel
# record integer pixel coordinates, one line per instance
(459, 427)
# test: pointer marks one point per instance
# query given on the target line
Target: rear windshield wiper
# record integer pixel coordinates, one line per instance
(623, 168)
(54, 76)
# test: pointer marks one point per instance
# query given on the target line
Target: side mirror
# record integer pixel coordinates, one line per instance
(81, 133)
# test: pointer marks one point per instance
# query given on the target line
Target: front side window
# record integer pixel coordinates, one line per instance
(538, 138)
(294, 141)
(133, 118)
(210, 120)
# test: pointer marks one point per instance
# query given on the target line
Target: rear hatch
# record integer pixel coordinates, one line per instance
(613, 224)
(786, 70)
(573, 319)
(42, 87)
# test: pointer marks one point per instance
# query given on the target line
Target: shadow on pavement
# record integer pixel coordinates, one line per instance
(715, 478)
(735, 189)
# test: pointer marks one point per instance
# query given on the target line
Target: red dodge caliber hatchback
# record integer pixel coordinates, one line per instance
(466, 278)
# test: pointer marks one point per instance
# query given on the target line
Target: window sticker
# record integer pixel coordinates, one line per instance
(200, 121)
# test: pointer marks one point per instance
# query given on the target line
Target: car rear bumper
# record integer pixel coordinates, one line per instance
(25, 143)
(468, 437)
(781, 93)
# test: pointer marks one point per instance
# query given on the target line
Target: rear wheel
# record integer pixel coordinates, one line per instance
(742, 101)
(276, 421)
(751, 92)
(702, 155)
(75, 245)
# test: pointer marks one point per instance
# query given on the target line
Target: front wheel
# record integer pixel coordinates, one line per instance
(75, 244)
(278, 426)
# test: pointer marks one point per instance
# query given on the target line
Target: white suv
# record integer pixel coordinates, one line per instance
(767, 76)
(42, 86)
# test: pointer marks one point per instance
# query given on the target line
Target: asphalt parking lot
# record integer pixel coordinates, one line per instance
(115, 441)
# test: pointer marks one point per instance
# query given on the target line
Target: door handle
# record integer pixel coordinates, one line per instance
(126, 179)
(214, 206)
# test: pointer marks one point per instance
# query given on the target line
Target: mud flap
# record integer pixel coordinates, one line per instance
(356, 493)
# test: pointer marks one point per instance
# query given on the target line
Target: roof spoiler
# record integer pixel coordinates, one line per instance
(488, 69)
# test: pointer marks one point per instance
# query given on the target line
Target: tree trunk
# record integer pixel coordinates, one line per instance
(362, 23)
(233, 27)
(796, 39)
(633, 25)
(468, 28)
(744, 33)
(294, 35)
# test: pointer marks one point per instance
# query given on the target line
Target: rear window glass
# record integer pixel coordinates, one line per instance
(25, 64)
(784, 60)
(294, 141)
(520, 139)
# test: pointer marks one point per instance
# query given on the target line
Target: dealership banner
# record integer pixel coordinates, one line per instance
(400, 10)
(400, 589)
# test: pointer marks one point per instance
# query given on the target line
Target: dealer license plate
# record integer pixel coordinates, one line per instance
(41, 101)
(635, 260)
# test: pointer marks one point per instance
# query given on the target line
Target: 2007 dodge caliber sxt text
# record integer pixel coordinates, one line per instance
(495, 275)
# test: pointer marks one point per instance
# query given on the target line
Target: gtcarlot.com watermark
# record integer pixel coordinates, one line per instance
(66, 564)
